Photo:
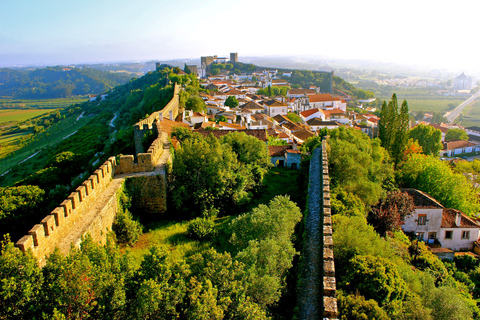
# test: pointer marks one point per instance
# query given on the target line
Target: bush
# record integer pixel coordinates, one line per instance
(127, 229)
(201, 229)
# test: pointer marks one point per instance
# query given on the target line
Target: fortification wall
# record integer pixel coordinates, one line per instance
(45, 236)
(149, 194)
(170, 111)
(330, 310)
(317, 290)
(145, 161)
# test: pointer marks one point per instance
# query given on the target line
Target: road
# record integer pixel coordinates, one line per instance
(452, 115)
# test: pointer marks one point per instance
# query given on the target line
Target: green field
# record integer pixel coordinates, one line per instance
(41, 104)
(422, 100)
(470, 115)
(9, 115)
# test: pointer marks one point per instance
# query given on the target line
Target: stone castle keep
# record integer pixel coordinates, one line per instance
(92, 207)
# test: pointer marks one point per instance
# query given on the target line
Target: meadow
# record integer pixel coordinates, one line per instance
(471, 115)
(19, 115)
(41, 104)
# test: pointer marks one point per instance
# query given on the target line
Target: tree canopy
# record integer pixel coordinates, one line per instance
(429, 138)
(456, 134)
(358, 164)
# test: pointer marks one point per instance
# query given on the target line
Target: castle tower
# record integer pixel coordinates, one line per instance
(233, 57)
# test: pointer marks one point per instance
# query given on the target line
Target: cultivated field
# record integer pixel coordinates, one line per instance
(9, 115)
(422, 100)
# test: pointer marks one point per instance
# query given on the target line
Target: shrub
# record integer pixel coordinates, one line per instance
(127, 229)
(201, 229)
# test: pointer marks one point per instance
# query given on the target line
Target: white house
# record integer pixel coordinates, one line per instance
(457, 147)
(312, 114)
(433, 223)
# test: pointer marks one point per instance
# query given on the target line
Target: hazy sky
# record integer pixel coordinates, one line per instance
(432, 33)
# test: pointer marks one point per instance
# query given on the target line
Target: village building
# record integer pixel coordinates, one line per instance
(434, 224)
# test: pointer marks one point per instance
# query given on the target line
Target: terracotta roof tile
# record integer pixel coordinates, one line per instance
(422, 199)
(449, 217)
(260, 134)
(278, 151)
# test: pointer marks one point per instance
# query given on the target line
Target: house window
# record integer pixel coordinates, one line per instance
(422, 219)
(420, 236)
(448, 234)
(465, 235)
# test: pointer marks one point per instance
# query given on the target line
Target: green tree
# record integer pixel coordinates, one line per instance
(358, 164)
(429, 138)
(452, 190)
(294, 117)
(401, 134)
(186, 69)
(20, 283)
(357, 307)
(377, 278)
(205, 175)
(195, 103)
(231, 102)
(456, 134)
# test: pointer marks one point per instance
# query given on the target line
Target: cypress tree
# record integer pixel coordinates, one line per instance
(401, 134)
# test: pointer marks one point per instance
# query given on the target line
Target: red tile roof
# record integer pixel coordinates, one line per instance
(449, 217)
(323, 97)
(278, 151)
(457, 144)
(422, 199)
(308, 113)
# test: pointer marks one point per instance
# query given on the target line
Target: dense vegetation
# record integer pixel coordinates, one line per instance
(53, 82)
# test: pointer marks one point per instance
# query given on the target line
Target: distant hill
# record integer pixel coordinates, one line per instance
(57, 82)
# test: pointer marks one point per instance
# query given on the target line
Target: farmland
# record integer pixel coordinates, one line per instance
(9, 115)
(423, 100)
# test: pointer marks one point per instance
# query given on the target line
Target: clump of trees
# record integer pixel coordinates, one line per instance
(431, 175)
(429, 138)
(102, 282)
(209, 173)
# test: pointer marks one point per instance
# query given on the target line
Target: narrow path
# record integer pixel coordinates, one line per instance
(310, 297)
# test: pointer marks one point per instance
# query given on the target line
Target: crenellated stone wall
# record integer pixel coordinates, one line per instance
(170, 111)
(55, 227)
(330, 310)
(145, 161)
(317, 288)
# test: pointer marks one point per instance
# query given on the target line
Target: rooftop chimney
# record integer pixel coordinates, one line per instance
(458, 219)
(171, 115)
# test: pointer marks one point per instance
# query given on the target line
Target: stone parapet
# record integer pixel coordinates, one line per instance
(45, 236)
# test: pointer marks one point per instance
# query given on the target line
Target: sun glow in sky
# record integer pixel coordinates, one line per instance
(438, 34)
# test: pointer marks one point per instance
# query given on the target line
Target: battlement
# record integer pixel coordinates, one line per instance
(46, 235)
(170, 111)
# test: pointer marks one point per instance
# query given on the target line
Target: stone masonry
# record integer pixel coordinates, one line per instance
(317, 292)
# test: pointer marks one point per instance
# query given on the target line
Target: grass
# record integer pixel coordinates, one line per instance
(9, 115)
(59, 103)
(171, 235)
